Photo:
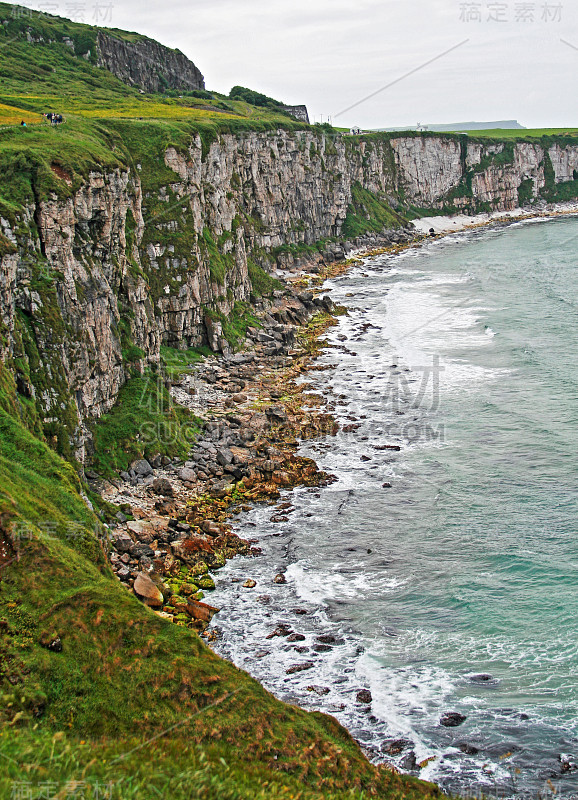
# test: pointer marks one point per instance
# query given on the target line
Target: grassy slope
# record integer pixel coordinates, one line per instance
(126, 676)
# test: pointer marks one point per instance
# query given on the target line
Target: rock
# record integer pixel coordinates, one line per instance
(468, 749)
(142, 468)
(205, 582)
(122, 541)
(225, 457)
(320, 690)
(211, 528)
(250, 584)
(409, 762)
(566, 764)
(188, 589)
(52, 642)
(296, 637)
(452, 719)
(299, 668)
(394, 747)
(147, 591)
(140, 528)
(156, 461)
(162, 487)
(483, 679)
(276, 414)
(364, 696)
(187, 475)
(280, 579)
(201, 611)
(281, 478)
(280, 630)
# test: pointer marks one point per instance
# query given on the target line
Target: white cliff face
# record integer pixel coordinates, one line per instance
(565, 162)
(120, 275)
(428, 168)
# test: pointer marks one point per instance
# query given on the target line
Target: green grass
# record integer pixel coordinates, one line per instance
(368, 213)
(134, 701)
(236, 323)
(181, 362)
(145, 421)
(532, 133)
(262, 283)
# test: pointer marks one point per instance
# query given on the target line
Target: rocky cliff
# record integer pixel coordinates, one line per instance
(147, 64)
(93, 283)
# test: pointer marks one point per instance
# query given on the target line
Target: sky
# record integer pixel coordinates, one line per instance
(442, 61)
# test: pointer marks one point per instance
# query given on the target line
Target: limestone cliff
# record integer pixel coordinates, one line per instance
(97, 281)
(147, 64)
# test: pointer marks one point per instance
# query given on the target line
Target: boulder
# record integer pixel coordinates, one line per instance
(138, 527)
(147, 591)
(122, 541)
(276, 414)
(394, 747)
(409, 762)
(364, 696)
(281, 478)
(211, 528)
(452, 719)
(162, 487)
(201, 611)
(187, 475)
(224, 457)
(299, 668)
(142, 468)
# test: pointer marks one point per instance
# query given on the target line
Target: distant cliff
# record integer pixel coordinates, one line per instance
(147, 64)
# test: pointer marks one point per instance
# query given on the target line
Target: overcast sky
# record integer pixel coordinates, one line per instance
(331, 54)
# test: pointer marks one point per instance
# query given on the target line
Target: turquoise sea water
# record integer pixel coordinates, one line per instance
(457, 588)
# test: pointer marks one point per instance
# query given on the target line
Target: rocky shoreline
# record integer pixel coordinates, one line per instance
(173, 529)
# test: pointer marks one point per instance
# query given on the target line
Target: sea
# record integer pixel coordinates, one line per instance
(440, 571)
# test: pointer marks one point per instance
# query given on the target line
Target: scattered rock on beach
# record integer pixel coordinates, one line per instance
(148, 591)
(162, 487)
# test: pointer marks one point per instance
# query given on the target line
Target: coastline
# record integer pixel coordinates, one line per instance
(270, 397)
(445, 224)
